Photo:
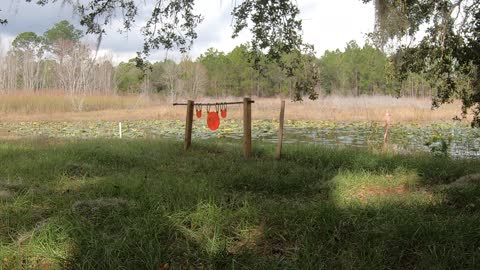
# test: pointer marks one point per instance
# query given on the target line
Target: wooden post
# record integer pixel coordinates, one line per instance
(247, 127)
(387, 127)
(188, 125)
(280, 130)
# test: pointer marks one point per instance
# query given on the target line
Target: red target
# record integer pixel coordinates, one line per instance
(213, 120)
(198, 111)
(223, 110)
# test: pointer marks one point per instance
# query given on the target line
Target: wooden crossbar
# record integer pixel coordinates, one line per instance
(212, 104)
(247, 122)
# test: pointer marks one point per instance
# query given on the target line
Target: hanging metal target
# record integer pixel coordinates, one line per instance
(198, 111)
(223, 110)
(213, 121)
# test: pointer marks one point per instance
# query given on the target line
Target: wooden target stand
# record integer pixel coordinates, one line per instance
(247, 122)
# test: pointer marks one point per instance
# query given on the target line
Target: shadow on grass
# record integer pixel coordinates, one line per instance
(148, 205)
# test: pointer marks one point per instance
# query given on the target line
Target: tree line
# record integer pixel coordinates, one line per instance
(58, 60)
(367, 71)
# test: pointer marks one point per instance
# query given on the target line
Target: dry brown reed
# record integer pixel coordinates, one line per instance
(364, 108)
(56, 102)
(58, 107)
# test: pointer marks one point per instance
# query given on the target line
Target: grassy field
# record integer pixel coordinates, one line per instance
(138, 204)
(46, 106)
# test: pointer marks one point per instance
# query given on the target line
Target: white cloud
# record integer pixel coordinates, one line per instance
(331, 24)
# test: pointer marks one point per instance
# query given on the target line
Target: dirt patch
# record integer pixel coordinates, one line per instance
(278, 247)
(246, 239)
(11, 187)
(77, 170)
(8, 190)
(23, 237)
(5, 194)
(466, 181)
(376, 191)
(99, 208)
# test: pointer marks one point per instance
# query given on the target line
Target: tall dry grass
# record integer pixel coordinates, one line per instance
(364, 108)
(55, 102)
(48, 106)
(348, 109)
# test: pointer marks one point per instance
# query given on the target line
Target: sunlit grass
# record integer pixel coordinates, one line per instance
(362, 188)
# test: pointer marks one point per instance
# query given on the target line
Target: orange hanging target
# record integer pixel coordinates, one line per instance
(198, 110)
(213, 121)
(223, 110)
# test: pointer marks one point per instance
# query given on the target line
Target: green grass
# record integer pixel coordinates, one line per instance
(138, 204)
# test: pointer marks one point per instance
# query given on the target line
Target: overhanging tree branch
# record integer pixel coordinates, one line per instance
(172, 24)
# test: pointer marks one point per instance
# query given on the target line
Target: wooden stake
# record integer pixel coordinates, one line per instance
(387, 127)
(247, 127)
(120, 130)
(280, 130)
(188, 125)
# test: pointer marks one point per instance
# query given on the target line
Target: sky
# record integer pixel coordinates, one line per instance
(327, 24)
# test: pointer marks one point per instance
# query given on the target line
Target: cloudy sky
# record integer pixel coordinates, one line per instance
(328, 24)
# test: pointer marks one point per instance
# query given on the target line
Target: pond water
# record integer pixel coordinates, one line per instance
(462, 140)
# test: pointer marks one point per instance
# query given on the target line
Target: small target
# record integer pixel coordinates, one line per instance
(198, 111)
(223, 110)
